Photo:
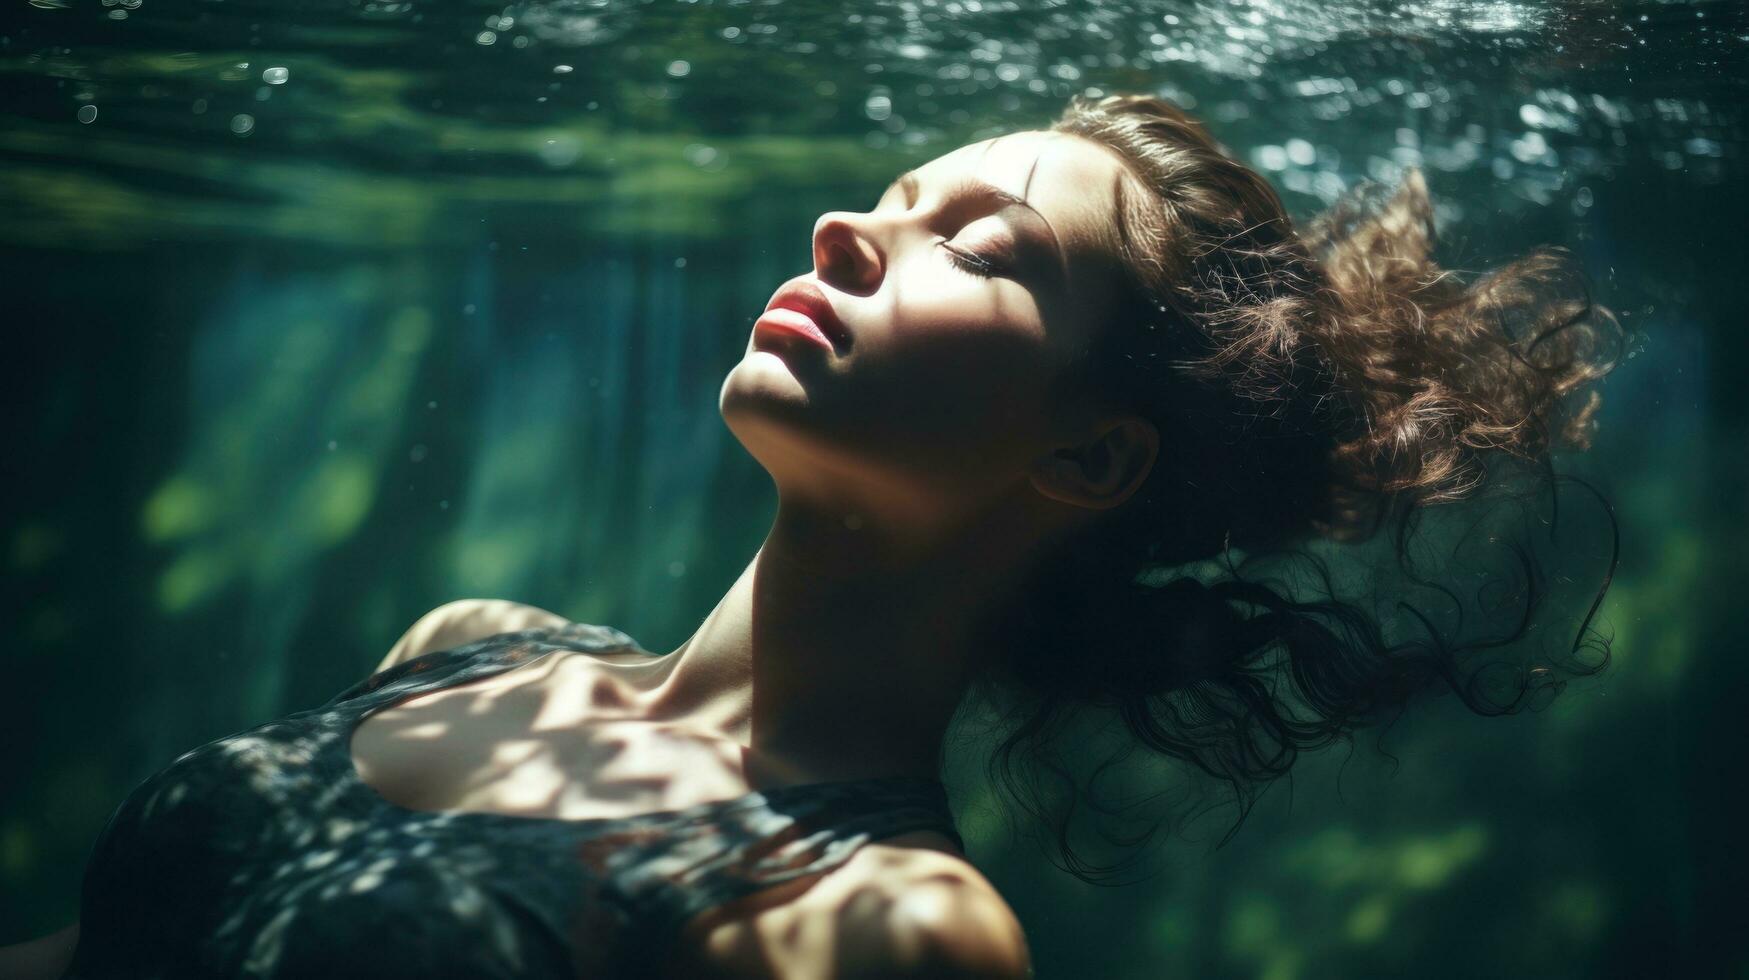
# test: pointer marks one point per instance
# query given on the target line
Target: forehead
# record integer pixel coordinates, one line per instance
(1072, 181)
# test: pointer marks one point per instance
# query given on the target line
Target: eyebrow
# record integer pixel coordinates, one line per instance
(908, 182)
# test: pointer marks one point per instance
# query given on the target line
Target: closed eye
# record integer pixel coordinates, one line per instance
(968, 262)
(961, 259)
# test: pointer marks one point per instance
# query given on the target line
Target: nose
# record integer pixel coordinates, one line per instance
(844, 255)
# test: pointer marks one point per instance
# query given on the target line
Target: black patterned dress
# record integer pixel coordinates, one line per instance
(264, 854)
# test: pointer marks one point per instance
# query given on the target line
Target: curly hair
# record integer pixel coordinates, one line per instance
(1308, 386)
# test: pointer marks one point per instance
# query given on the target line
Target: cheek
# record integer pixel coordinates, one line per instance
(953, 321)
(949, 393)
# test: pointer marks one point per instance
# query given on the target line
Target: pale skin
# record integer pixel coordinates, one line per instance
(919, 471)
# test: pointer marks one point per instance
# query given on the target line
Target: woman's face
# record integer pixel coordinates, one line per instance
(962, 296)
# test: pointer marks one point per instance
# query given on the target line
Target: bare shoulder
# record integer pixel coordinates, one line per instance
(463, 621)
(908, 906)
(946, 919)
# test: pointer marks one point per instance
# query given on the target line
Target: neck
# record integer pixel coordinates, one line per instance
(843, 650)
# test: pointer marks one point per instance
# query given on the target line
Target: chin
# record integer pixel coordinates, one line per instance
(783, 432)
(763, 403)
(761, 385)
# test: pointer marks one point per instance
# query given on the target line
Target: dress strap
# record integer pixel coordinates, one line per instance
(490, 654)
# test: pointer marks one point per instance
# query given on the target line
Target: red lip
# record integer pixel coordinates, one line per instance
(807, 299)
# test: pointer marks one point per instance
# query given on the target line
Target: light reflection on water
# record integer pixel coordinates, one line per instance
(383, 124)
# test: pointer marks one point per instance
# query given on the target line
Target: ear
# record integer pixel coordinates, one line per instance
(1104, 470)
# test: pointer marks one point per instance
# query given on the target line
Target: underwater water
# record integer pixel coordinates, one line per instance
(321, 313)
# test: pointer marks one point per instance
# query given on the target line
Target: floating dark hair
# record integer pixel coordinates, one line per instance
(1310, 387)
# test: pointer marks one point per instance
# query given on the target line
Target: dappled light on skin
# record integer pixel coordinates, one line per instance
(311, 871)
(547, 762)
(887, 909)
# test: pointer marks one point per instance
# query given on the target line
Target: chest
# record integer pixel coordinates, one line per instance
(562, 737)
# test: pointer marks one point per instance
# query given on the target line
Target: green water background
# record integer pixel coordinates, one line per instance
(322, 314)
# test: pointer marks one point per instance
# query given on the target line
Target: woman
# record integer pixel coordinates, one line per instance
(1043, 365)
